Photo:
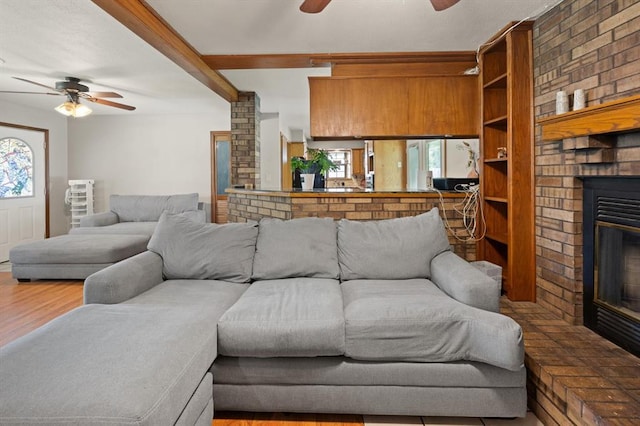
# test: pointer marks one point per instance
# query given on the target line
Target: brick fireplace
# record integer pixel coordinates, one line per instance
(592, 45)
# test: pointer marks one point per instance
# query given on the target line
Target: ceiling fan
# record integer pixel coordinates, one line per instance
(316, 6)
(74, 91)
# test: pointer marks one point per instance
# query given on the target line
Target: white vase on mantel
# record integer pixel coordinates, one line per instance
(307, 181)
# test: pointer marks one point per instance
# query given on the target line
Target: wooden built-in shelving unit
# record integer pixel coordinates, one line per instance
(507, 184)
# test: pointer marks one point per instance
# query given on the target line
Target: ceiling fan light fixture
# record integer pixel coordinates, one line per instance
(73, 109)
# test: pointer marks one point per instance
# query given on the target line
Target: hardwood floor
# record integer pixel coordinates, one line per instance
(26, 306)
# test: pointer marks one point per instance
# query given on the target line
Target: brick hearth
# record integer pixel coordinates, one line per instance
(574, 376)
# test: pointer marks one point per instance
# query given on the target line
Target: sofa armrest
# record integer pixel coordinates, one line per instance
(460, 280)
(124, 280)
(99, 219)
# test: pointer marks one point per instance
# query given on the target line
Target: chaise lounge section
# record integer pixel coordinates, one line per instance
(102, 240)
(294, 316)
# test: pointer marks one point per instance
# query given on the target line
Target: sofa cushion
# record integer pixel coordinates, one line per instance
(107, 365)
(291, 317)
(79, 249)
(390, 249)
(192, 250)
(305, 247)
(148, 208)
(123, 228)
(413, 320)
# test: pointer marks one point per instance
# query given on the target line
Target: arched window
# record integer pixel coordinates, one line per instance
(16, 168)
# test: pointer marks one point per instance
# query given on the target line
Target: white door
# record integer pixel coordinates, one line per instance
(22, 212)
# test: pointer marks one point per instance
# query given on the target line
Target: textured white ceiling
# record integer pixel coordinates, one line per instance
(46, 40)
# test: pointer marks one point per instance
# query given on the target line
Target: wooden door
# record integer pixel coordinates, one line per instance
(357, 161)
(220, 175)
(389, 165)
(289, 149)
(23, 194)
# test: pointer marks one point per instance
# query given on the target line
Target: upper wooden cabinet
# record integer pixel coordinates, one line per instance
(394, 106)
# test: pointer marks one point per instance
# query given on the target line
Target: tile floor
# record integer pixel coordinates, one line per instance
(530, 420)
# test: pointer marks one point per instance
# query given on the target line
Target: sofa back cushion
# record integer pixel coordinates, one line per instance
(192, 250)
(390, 249)
(305, 247)
(148, 208)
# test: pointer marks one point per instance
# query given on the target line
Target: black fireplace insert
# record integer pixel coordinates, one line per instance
(611, 209)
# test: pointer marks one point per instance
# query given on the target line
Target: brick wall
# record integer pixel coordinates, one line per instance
(581, 44)
(243, 206)
(245, 139)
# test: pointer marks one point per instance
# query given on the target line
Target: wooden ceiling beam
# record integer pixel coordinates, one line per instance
(140, 18)
(312, 60)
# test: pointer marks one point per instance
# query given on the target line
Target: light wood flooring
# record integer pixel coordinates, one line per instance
(26, 306)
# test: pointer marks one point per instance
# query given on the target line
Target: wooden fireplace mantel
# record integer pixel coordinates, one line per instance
(621, 115)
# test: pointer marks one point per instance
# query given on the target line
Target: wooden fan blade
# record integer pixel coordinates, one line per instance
(439, 5)
(111, 103)
(31, 93)
(314, 6)
(38, 84)
(104, 95)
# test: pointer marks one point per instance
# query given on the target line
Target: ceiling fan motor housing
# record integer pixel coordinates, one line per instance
(71, 84)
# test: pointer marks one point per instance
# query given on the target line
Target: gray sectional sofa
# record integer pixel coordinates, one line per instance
(102, 239)
(136, 214)
(305, 315)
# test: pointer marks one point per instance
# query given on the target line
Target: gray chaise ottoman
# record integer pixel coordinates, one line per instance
(112, 365)
(72, 256)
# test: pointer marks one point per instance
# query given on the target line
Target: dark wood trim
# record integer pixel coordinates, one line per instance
(47, 226)
(140, 18)
(311, 60)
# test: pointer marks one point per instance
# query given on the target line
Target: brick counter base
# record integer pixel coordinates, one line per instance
(253, 205)
(574, 376)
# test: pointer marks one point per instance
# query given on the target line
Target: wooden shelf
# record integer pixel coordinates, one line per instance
(617, 116)
(498, 82)
(496, 160)
(500, 238)
(507, 184)
(497, 121)
(497, 199)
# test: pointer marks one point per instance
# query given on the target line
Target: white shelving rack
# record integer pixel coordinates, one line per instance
(80, 198)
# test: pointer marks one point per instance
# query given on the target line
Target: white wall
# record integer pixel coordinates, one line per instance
(270, 168)
(57, 126)
(458, 157)
(144, 154)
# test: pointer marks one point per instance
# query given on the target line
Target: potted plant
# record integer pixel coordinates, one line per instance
(316, 163)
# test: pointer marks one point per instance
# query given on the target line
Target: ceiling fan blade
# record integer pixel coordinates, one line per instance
(104, 95)
(31, 93)
(314, 6)
(38, 84)
(111, 103)
(439, 5)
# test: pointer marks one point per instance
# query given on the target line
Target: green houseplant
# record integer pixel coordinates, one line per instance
(317, 162)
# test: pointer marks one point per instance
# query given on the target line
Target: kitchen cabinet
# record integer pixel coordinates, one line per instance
(507, 182)
(357, 161)
(393, 106)
(443, 106)
(356, 107)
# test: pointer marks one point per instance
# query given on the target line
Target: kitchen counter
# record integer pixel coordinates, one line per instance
(338, 191)
(353, 204)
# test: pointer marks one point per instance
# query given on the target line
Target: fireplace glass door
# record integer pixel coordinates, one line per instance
(617, 270)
